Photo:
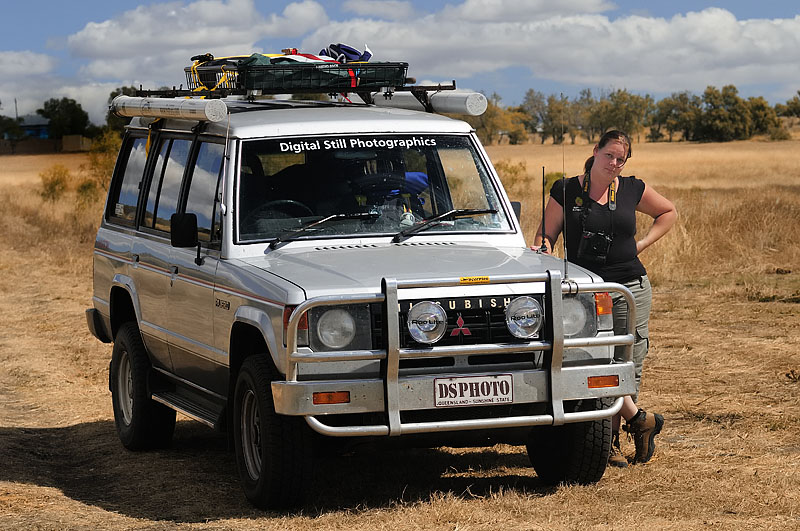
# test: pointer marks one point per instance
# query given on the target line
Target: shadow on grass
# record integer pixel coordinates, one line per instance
(196, 481)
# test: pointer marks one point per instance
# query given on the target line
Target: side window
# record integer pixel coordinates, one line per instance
(165, 187)
(122, 203)
(203, 198)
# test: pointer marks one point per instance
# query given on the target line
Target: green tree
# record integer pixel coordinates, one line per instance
(792, 107)
(684, 116)
(66, 117)
(725, 115)
(582, 113)
(627, 111)
(516, 128)
(764, 117)
(534, 106)
(657, 119)
(11, 130)
(556, 117)
(601, 117)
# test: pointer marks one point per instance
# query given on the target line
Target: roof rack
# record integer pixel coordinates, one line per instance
(223, 78)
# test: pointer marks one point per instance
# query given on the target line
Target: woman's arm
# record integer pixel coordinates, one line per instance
(663, 213)
(554, 222)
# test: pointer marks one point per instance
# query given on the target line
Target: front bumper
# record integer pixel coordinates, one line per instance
(552, 384)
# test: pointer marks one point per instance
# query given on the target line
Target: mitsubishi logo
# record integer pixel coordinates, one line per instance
(460, 328)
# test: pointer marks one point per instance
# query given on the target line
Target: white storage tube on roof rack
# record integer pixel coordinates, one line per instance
(182, 108)
(451, 102)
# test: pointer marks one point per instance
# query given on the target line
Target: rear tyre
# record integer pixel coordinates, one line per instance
(572, 453)
(273, 452)
(141, 422)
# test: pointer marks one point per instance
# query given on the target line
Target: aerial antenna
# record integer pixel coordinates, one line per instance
(563, 190)
(543, 247)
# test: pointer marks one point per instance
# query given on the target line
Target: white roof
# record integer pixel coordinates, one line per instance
(329, 119)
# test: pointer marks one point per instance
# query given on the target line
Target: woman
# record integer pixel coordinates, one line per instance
(601, 208)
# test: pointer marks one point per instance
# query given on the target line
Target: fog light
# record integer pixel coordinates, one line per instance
(427, 322)
(524, 317)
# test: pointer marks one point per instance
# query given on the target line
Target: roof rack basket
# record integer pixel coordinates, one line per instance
(223, 77)
(296, 77)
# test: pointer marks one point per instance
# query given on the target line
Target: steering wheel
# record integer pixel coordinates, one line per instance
(289, 208)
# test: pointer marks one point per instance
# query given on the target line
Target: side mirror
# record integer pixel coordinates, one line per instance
(516, 206)
(183, 230)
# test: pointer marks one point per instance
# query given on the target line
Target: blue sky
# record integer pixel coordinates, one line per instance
(83, 50)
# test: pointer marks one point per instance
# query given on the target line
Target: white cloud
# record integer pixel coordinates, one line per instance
(571, 42)
(157, 40)
(24, 82)
(382, 9)
(25, 63)
(514, 10)
(687, 52)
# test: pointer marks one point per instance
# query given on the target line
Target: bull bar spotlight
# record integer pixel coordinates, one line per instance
(524, 317)
(427, 322)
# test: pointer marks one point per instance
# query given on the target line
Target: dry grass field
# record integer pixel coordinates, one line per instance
(724, 369)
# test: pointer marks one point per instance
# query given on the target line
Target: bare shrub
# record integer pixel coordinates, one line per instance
(779, 133)
(102, 157)
(87, 193)
(54, 182)
(510, 172)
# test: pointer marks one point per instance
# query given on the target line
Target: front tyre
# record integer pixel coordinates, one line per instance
(273, 452)
(141, 422)
(572, 453)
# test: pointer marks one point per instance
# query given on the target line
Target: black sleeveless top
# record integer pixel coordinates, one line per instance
(622, 263)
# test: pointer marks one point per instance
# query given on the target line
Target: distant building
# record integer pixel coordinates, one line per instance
(35, 126)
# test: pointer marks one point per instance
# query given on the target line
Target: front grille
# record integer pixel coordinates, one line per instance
(473, 321)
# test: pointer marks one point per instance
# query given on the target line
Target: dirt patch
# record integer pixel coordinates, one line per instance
(723, 370)
(25, 169)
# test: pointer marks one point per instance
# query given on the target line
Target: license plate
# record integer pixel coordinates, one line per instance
(473, 390)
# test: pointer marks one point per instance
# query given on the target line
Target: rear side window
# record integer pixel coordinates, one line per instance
(122, 203)
(165, 188)
(203, 198)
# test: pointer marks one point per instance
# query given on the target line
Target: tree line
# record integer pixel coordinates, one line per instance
(716, 116)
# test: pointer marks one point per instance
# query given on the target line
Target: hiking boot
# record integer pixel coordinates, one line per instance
(644, 427)
(615, 458)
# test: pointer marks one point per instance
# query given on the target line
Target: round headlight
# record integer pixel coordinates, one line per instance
(524, 317)
(575, 315)
(427, 322)
(336, 328)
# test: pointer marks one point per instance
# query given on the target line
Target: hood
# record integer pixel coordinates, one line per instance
(358, 268)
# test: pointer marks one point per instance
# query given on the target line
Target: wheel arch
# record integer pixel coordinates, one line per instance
(246, 340)
(123, 303)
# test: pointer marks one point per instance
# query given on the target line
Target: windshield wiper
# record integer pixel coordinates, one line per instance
(455, 213)
(288, 236)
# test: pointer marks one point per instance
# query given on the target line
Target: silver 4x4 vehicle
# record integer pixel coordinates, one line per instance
(300, 272)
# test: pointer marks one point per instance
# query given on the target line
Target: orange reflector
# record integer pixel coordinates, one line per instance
(336, 397)
(604, 303)
(596, 382)
(287, 312)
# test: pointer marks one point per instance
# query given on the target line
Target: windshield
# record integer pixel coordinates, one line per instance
(400, 180)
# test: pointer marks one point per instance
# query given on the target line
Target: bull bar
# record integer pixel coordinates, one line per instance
(392, 393)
